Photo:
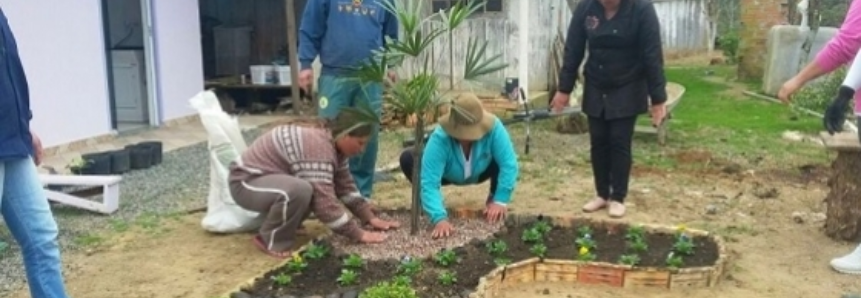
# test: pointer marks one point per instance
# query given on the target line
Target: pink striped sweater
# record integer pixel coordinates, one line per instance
(844, 46)
(309, 154)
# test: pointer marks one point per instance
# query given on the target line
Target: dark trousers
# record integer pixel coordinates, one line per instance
(611, 155)
(492, 172)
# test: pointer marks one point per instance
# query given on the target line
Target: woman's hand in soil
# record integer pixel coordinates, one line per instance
(383, 225)
(494, 212)
(369, 237)
(442, 229)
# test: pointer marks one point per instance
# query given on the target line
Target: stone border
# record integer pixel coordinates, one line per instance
(572, 271)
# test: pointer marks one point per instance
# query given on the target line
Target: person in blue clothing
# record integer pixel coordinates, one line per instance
(470, 146)
(23, 202)
(344, 33)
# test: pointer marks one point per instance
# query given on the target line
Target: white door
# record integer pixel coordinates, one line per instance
(130, 86)
(149, 66)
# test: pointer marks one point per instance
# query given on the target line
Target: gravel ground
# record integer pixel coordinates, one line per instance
(421, 245)
(180, 183)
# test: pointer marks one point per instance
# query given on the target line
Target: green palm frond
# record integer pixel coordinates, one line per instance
(415, 95)
(476, 63)
(359, 115)
(459, 13)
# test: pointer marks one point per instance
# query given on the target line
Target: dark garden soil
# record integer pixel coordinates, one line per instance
(474, 260)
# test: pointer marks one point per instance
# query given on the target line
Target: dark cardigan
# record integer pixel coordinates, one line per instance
(625, 66)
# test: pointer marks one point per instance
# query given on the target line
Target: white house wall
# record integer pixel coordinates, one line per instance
(62, 48)
(684, 28)
(61, 45)
(178, 55)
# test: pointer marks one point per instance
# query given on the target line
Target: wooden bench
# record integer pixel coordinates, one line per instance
(843, 203)
(110, 190)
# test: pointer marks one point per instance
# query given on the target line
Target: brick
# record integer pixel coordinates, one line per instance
(603, 275)
(647, 279)
(557, 270)
(520, 272)
(694, 279)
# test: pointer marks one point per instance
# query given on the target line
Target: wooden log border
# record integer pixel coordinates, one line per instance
(572, 271)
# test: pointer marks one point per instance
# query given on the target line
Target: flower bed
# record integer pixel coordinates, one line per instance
(530, 248)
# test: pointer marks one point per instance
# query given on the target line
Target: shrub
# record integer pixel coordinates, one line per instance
(816, 96)
(389, 290)
(728, 43)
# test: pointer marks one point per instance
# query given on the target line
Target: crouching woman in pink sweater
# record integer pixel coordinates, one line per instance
(296, 169)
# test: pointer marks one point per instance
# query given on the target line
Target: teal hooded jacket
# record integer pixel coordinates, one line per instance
(443, 159)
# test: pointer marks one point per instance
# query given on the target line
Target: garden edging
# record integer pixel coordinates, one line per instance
(574, 271)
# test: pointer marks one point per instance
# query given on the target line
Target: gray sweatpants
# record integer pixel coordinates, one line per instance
(284, 201)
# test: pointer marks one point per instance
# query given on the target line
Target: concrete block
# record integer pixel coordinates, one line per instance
(784, 52)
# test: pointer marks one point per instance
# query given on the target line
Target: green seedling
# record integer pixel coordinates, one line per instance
(348, 277)
(630, 259)
(538, 250)
(584, 230)
(354, 261)
(542, 226)
(296, 265)
(684, 245)
(638, 245)
(410, 267)
(445, 257)
(282, 279)
(402, 280)
(636, 233)
(497, 248)
(674, 261)
(587, 242)
(447, 278)
(532, 236)
(501, 261)
(585, 254)
(315, 252)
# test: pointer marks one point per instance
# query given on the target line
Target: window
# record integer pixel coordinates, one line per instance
(489, 5)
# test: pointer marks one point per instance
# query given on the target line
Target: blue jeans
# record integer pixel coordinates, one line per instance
(342, 91)
(26, 212)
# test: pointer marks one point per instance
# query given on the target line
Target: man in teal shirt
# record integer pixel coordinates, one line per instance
(469, 146)
(344, 33)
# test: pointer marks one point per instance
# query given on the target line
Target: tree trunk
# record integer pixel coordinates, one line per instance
(843, 221)
(418, 134)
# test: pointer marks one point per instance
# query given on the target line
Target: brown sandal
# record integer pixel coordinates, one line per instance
(275, 254)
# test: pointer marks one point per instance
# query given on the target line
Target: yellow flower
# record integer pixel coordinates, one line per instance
(297, 257)
(584, 250)
(681, 228)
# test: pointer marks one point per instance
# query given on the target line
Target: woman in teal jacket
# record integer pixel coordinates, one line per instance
(470, 146)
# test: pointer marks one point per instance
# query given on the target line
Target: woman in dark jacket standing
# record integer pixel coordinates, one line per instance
(624, 70)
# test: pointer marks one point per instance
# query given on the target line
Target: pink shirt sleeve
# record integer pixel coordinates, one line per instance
(843, 47)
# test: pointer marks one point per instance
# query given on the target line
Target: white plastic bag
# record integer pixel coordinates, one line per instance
(225, 145)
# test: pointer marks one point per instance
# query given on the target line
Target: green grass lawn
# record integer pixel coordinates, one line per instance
(714, 116)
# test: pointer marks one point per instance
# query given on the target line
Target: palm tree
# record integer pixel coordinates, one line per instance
(418, 93)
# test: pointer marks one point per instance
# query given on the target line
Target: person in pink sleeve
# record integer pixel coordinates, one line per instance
(842, 48)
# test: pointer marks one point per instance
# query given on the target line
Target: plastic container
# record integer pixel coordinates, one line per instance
(283, 75)
(261, 74)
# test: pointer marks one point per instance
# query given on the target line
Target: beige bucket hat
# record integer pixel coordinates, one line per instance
(467, 120)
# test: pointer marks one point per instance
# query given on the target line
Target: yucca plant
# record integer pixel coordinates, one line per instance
(418, 93)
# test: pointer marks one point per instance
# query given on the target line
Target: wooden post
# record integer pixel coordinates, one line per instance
(293, 57)
(843, 203)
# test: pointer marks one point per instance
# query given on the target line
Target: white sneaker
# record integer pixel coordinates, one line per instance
(849, 264)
